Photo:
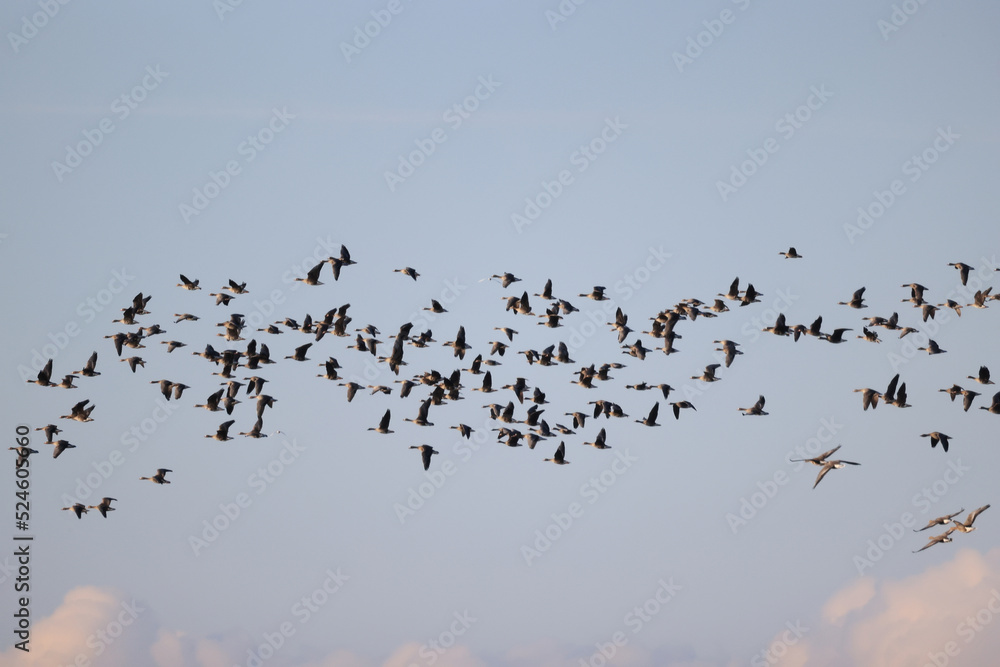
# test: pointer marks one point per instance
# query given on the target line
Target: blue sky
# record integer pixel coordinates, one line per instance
(658, 151)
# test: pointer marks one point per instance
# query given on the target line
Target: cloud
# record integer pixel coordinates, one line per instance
(949, 613)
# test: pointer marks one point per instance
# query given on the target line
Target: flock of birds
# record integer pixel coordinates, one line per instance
(512, 430)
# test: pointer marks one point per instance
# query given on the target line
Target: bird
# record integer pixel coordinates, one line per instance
(506, 279)
(104, 506)
(79, 509)
(188, 284)
(836, 337)
(60, 447)
(312, 277)
(597, 294)
(937, 539)
(407, 271)
(983, 377)
(172, 344)
(994, 406)
(757, 409)
(966, 526)
(940, 521)
(426, 451)
(44, 376)
(650, 419)
(223, 433)
(133, 362)
(383, 425)
(599, 441)
(857, 301)
(790, 254)
(80, 412)
(679, 405)
(464, 430)
(559, 458)
(300, 353)
(932, 347)
(49, 430)
(160, 477)
(937, 437)
(963, 270)
(869, 397)
(967, 397)
(88, 368)
(729, 349)
(212, 402)
(825, 465)
(435, 307)
(708, 375)
(750, 296)
(779, 328)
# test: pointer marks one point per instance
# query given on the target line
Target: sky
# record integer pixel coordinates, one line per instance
(659, 151)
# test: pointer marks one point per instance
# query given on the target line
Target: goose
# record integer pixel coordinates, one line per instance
(383, 425)
(836, 337)
(949, 303)
(559, 458)
(80, 412)
(734, 291)
(546, 291)
(519, 387)
(300, 353)
(708, 375)
(380, 388)
(237, 288)
(966, 526)
(22, 454)
(718, 307)
(756, 409)
(857, 301)
(937, 539)
(779, 328)
(160, 477)
(173, 344)
(895, 397)
(312, 277)
(750, 296)
(679, 405)
(940, 521)
(67, 382)
(906, 330)
(223, 433)
(166, 386)
(185, 317)
(421, 419)
(88, 368)
(980, 297)
(825, 465)
(506, 280)
(212, 402)
(264, 401)
(464, 430)
(79, 509)
(49, 430)
(994, 406)
(459, 344)
(728, 348)
(497, 347)
(650, 419)
(967, 397)
(597, 294)
(635, 349)
(869, 397)
(188, 284)
(60, 447)
(104, 507)
(127, 318)
(435, 307)
(869, 335)
(133, 362)
(932, 348)
(983, 377)
(916, 290)
(223, 299)
(256, 384)
(791, 254)
(44, 378)
(599, 441)
(928, 310)
(579, 418)
(507, 331)
(407, 271)
(426, 451)
(937, 437)
(255, 432)
(963, 270)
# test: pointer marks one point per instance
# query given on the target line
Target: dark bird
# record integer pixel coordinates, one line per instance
(104, 507)
(650, 419)
(559, 458)
(79, 509)
(160, 477)
(937, 437)
(223, 433)
(383, 425)
(757, 409)
(940, 521)
(426, 451)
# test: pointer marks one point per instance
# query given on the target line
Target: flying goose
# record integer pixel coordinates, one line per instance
(383, 425)
(160, 477)
(966, 526)
(963, 270)
(791, 254)
(757, 409)
(940, 521)
(826, 465)
(104, 507)
(188, 284)
(650, 419)
(407, 271)
(937, 539)
(60, 447)
(88, 368)
(857, 300)
(79, 509)
(937, 437)
(559, 458)
(983, 377)
(44, 376)
(599, 441)
(426, 451)
(223, 433)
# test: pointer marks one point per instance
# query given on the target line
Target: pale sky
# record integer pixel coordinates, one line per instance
(657, 151)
